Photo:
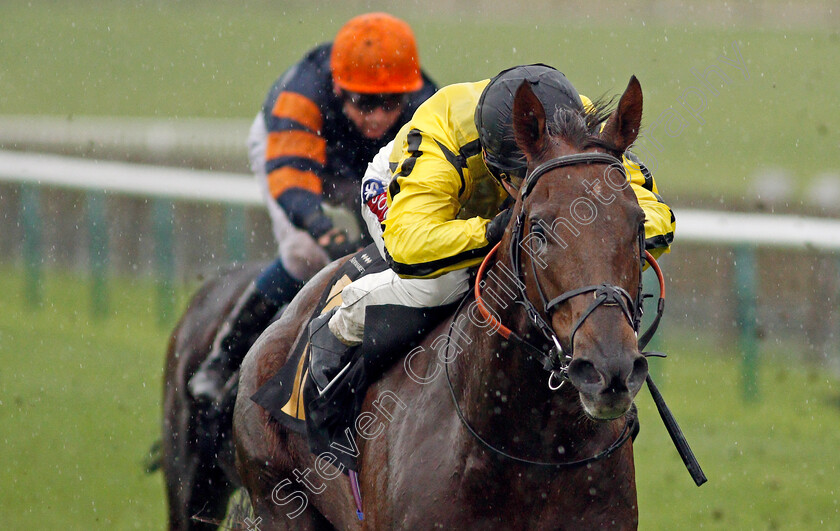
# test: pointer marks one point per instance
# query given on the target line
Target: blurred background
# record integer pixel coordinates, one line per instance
(741, 115)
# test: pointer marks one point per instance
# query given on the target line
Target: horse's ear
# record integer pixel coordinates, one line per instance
(622, 127)
(528, 121)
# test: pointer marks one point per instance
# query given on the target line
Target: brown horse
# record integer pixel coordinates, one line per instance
(466, 434)
(196, 449)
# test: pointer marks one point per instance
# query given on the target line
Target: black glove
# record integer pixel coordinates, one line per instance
(336, 244)
(317, 224)
(496, 228)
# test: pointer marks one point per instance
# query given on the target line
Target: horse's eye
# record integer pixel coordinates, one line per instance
(536, 227)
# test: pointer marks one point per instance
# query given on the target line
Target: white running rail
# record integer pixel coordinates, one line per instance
(727, 228)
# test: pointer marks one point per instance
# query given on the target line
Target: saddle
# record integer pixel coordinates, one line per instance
(328, 421)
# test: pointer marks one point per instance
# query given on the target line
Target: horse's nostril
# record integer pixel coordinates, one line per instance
(583, 372)
(638, 374)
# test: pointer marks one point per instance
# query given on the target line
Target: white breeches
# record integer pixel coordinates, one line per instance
(348, 323)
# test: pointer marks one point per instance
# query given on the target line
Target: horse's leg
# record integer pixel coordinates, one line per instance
(176, 470)
(178, 460)
(196, 485)
(195, 482)
(207, 497)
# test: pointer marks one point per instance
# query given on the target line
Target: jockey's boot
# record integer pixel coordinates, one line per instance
(327, 355)
(251, 315)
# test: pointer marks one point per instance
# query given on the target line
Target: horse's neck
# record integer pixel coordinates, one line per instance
(504, 391)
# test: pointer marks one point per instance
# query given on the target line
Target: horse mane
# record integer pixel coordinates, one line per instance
(580, 128)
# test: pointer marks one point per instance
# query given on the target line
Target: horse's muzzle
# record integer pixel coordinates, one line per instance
(607, 385)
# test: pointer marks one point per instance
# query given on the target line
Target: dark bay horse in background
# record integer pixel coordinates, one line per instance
(472, 437)
(196, 450)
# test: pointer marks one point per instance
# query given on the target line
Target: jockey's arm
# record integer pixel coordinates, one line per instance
(423, 238)
(659, 219)
(295, 154)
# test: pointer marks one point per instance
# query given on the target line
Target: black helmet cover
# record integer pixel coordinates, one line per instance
(494, 113)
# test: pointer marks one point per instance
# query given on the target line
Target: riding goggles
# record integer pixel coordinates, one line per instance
(371, 102)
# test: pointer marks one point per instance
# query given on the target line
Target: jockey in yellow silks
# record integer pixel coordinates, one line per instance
(445, 175)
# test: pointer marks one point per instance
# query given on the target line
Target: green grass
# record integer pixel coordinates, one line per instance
(217, 59)
(771, 464)
(80, 405)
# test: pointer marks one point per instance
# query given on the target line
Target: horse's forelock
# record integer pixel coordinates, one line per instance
(580, 128)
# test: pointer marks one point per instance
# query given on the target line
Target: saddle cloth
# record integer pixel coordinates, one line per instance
(282, 395)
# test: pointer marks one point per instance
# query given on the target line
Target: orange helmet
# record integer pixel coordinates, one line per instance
(376, 54)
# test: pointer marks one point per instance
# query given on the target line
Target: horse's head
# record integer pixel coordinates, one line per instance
(577, 233)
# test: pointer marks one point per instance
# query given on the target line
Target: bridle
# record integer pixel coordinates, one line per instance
(556, 360)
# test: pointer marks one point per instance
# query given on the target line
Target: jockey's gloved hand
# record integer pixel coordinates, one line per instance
(336, 243)
(496, 228)
(317, 224)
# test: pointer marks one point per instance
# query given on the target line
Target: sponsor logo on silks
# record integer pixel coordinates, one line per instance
(371, 189)
(374, 196)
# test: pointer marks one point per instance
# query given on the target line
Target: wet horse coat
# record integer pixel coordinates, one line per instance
(419, 466)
